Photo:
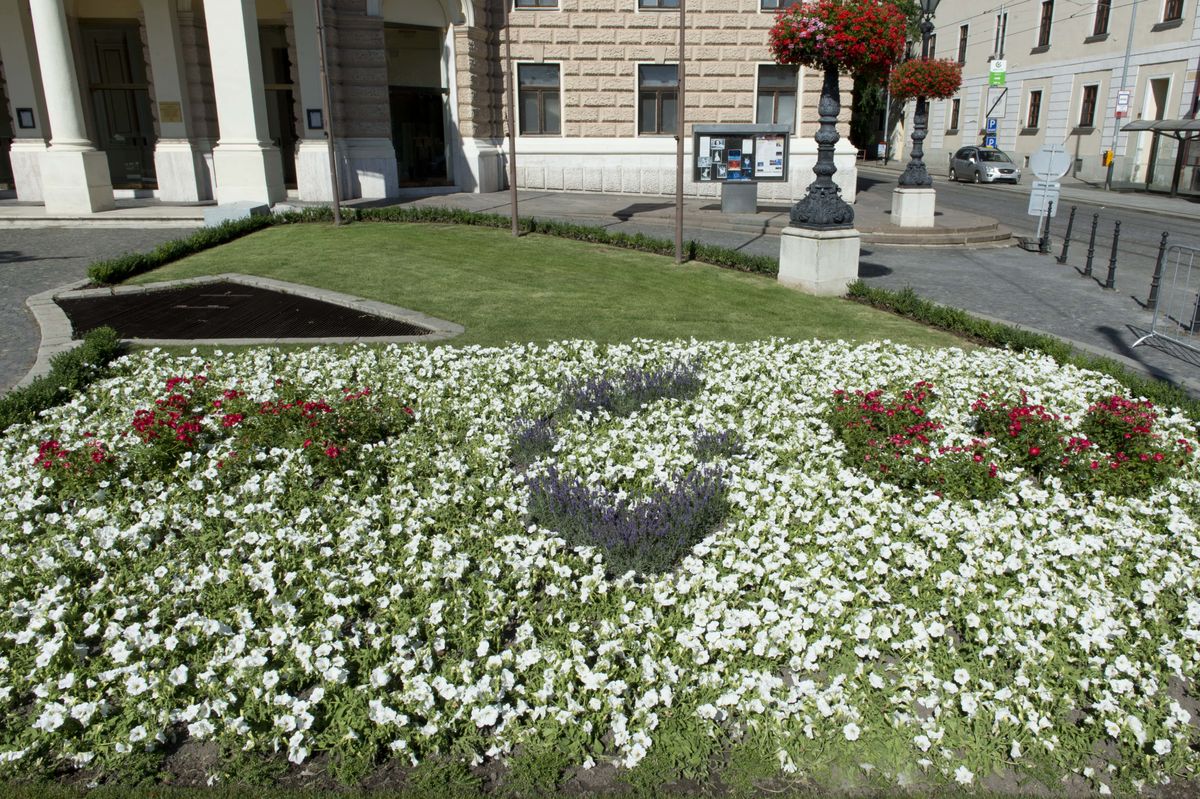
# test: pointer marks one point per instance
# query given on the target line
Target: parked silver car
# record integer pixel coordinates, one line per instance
(983, 165)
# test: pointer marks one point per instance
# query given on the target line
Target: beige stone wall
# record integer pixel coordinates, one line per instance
(479, 73)
(202, 101)
(357, 70)
(599, 44)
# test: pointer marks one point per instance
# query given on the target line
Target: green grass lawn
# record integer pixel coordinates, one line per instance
(503, 289)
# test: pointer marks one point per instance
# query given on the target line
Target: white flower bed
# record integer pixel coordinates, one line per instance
(829, 613)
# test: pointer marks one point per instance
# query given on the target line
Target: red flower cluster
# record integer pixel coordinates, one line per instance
(935, 78)
(857, 36)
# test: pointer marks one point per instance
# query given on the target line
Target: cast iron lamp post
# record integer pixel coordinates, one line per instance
(823, 207)
(915, 176)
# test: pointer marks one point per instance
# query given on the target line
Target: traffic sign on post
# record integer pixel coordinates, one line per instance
(992, 124)
(997, 71)
(1051, 162)
(1123, 103)
(989, 141)
(1044, 192)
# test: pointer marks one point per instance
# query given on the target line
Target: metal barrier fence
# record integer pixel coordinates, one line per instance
(1177, 310)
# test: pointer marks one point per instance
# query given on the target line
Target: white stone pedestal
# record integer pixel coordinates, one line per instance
(913, 207)
(312, 171)
(248, 172)
(76, 181)
(25, 155)
(181, 172)
(821, 262)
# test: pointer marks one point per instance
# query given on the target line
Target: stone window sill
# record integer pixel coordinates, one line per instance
(1099, 37)
(1166, 25)
(1027, 132)
(952, 132)
(1083, 130)
(1041, 48)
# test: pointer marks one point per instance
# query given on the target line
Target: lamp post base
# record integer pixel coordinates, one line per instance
(821, 262)
(913, 207)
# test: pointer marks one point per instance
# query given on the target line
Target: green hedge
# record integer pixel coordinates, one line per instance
(69, 372)
(906, 303)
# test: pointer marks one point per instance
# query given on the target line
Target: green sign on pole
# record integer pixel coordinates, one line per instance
(997, 71)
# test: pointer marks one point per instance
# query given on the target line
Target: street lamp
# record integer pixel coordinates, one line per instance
(915, 175)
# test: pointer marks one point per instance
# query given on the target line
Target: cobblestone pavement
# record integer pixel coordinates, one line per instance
(34, 260)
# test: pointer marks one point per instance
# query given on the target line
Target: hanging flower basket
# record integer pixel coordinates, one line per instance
(934, 78)
(856, 36)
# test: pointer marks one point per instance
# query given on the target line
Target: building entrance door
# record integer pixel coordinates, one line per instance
(120, 99)
(281, 114)
(418, 99)
(6, 136)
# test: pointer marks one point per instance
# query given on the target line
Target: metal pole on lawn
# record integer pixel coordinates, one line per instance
(1124, 77)
(887, 112)
(328, 111)
(679, 134)
(512, 125)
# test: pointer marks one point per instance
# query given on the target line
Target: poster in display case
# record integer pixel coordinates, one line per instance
(740, 153)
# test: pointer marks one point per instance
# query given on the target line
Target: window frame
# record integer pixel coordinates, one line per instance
(963, 34)
(540, 92)
(779, 5)
(776, 92)
(1173, 5)
(1033, 110)
(1087, 105)
(955, 111)
(657, 5)
(1102, 18)
(535, 5)
(1045, 23)
(1000, 35)
(658, 104)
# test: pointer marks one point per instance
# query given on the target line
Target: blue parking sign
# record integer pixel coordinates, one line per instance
(992, 124)
(989, 141)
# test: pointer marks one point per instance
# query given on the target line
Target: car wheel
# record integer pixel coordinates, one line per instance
(953, 174)
(978, 178)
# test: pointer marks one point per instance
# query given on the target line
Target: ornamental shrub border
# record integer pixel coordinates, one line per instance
(70, 372)
(904, 302)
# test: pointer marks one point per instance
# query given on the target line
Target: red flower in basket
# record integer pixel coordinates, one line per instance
(857, 36)
(934, 78)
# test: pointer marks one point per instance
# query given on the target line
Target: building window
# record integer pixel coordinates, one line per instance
(1001, 33)
(535, 3)
(776, 101)
(1173, 10)
(658, 92)
(656, 4)
(932, 45)
(962, 44)
(1087, 109)
(954, 105)
(1047, 20)
(774, 5)
(1034, 114)
(540, 100)
(1101, 25)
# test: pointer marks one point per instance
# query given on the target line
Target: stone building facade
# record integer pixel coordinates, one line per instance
(221, 100)
(1065, 66)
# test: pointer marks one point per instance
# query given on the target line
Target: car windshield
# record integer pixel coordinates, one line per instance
(994, 155)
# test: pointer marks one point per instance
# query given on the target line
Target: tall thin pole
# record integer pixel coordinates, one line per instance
(679, 134)
(1124, 77)
(328, 111)
(887, 113)
(512, 125)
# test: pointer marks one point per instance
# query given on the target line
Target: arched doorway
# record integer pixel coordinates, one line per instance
(418, 66)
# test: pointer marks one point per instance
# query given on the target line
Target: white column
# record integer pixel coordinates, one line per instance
(312, 156)
(176, 163)
(247, 166)
(29, 143)
(75, 176)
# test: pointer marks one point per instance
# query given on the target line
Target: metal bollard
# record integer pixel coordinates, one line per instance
(1111, 281)
(1044, 241)
(1062, 257)
(1087, 269)
(1152, 300)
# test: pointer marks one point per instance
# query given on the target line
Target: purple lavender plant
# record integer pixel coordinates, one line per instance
(531, 439)
(634, 388)
(709, 444)
(647, 534)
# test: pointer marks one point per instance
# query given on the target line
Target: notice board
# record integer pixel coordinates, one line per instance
(739, 153)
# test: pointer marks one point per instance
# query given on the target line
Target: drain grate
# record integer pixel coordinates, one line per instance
(226, 310)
